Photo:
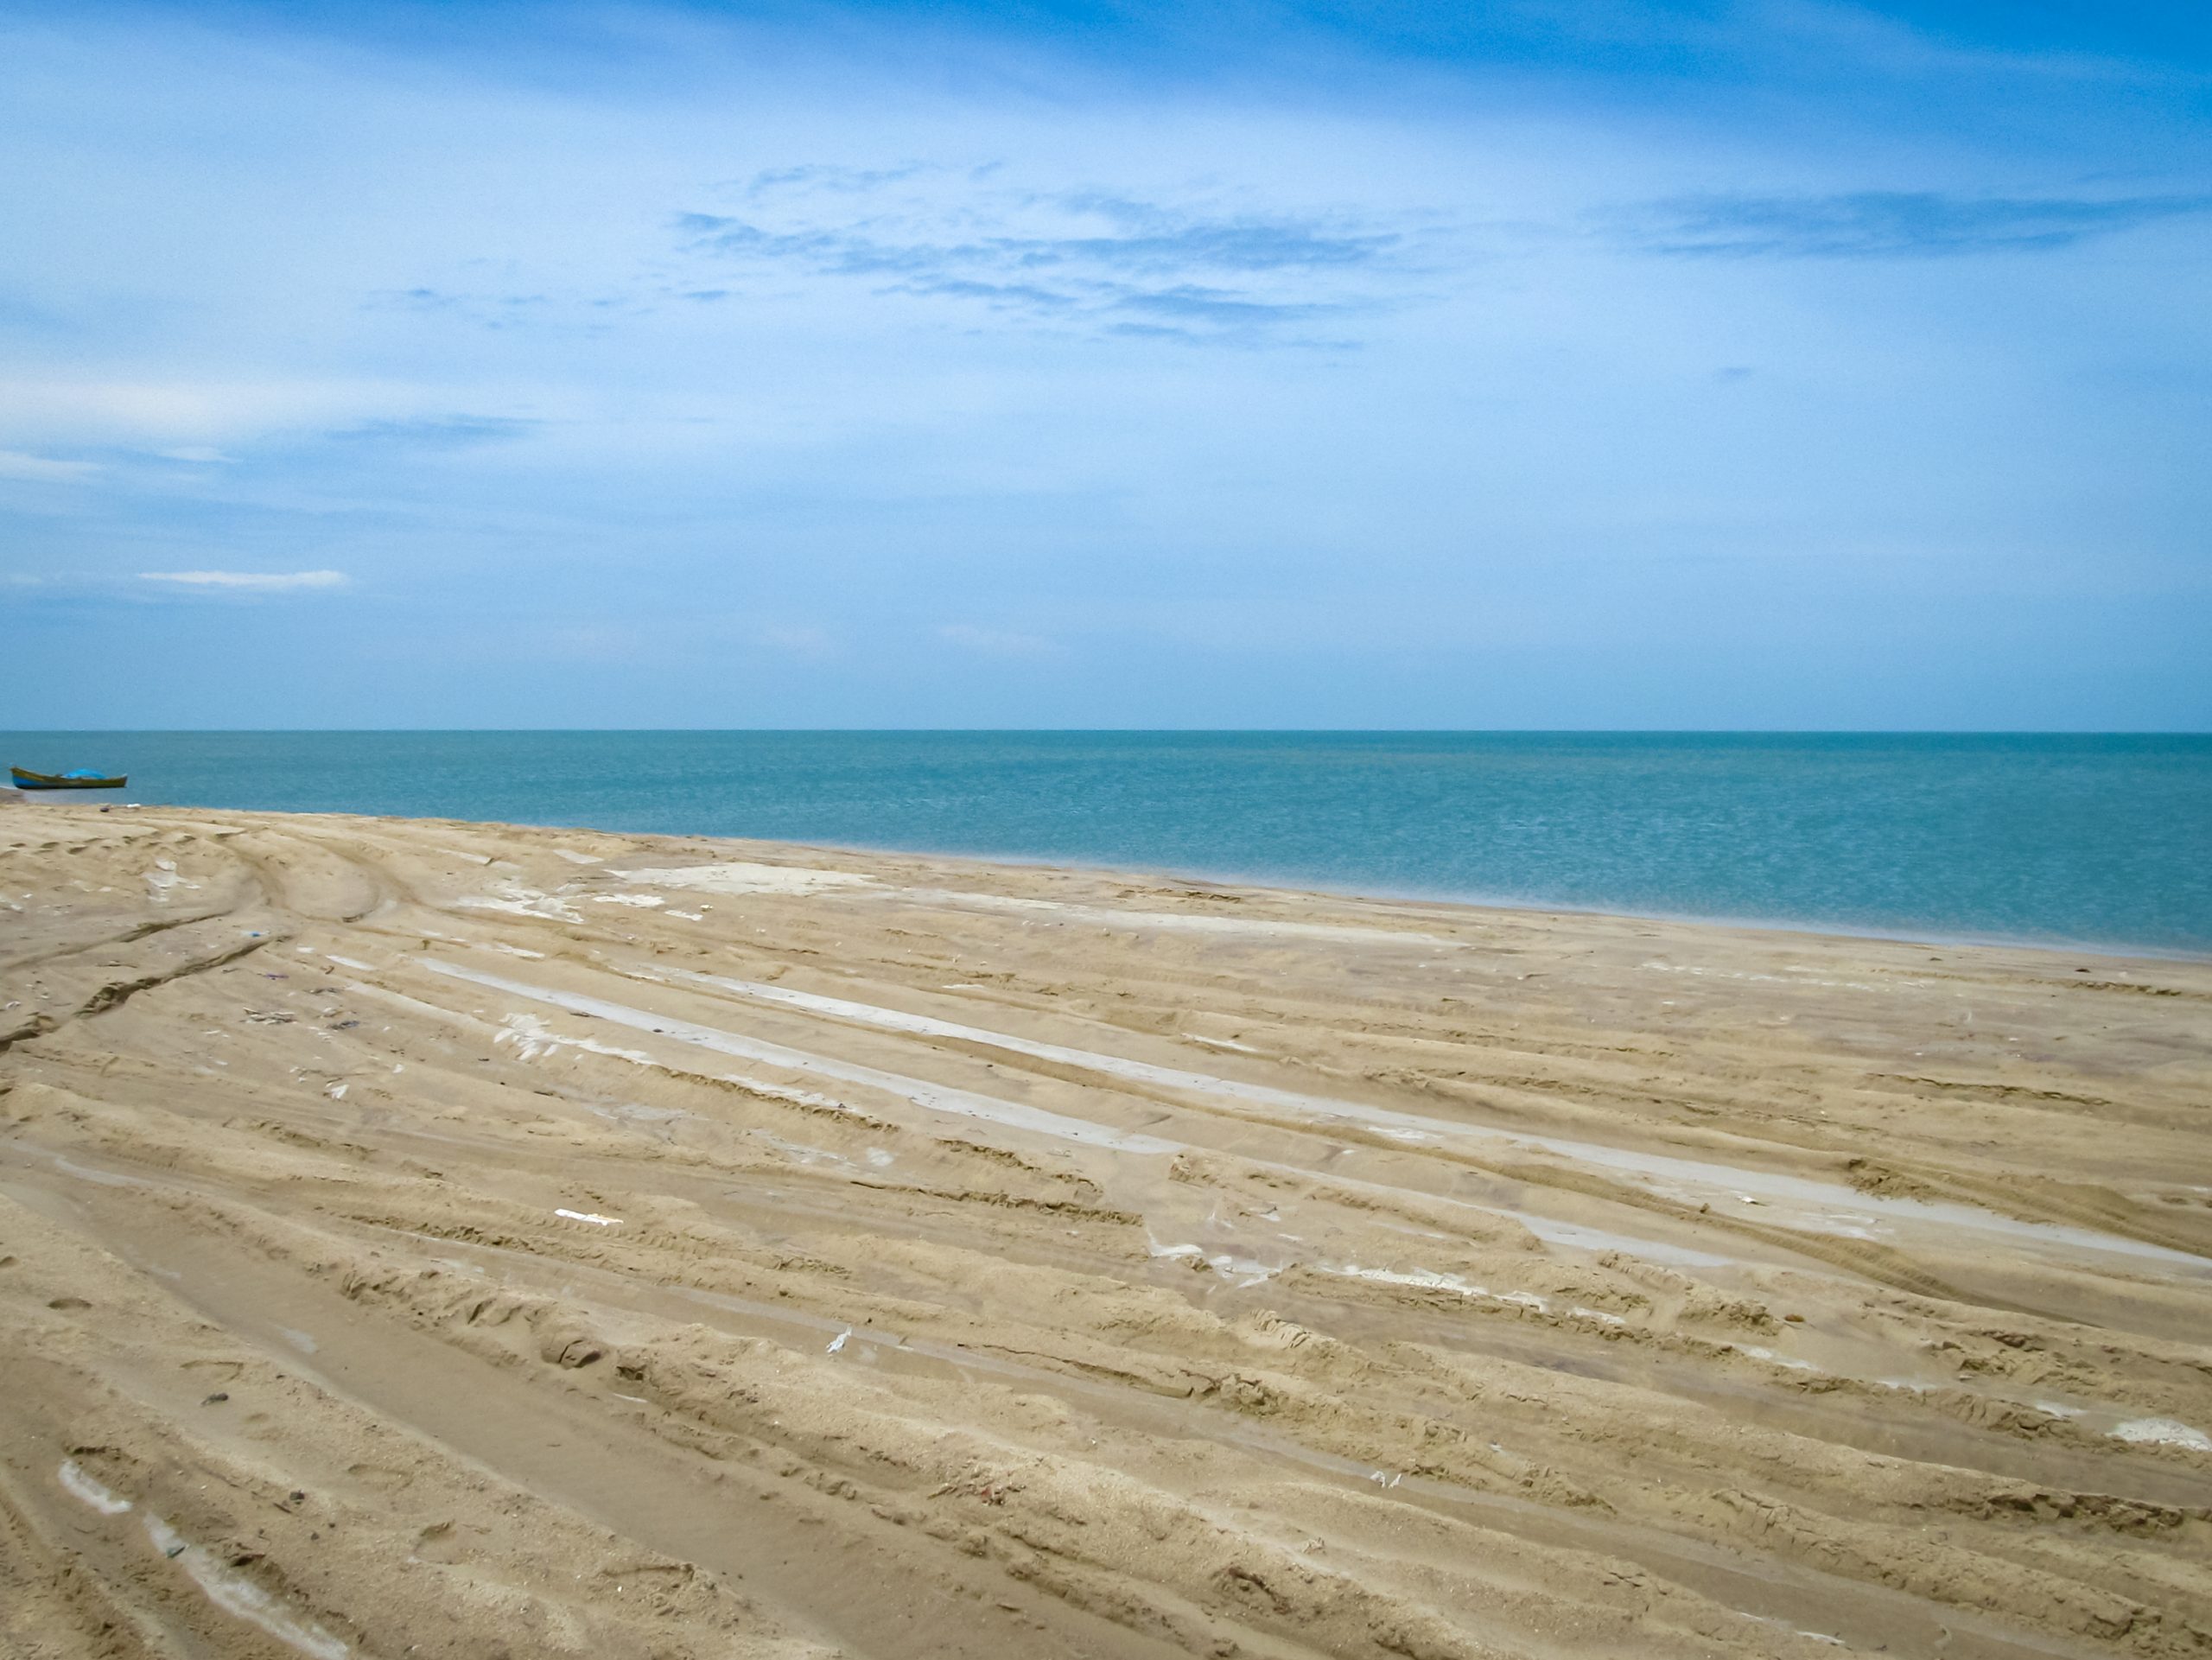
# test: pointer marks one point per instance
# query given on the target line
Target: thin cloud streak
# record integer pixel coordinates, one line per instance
(1893, 224)
(448, 432)
(263, 580)
(42, 469)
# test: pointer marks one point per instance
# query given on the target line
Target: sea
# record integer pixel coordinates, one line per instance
(2093, 842)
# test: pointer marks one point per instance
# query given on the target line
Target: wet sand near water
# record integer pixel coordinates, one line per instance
(420, 1237)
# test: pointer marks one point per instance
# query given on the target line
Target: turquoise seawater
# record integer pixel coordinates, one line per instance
(2086, 839)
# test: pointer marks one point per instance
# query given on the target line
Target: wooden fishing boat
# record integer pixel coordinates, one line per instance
(77, 780)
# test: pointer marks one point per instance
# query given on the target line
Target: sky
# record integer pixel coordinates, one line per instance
(1544, 363)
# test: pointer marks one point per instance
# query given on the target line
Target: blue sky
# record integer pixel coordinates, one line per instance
(1702, 365)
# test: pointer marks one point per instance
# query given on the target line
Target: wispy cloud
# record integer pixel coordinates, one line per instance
(589, 309)
(437, 432)
(156, 415)
(263, 580)
(827, 177)
(1891, 224)
(42, 469)
(1082, 259)
(1219, 307)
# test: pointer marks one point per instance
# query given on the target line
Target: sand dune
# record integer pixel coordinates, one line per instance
(454, 1240)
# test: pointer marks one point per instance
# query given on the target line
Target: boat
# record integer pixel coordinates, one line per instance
(77, 780)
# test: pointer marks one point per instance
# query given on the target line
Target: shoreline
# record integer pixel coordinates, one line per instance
(2085, 842)
(1285, 885)
(745, 1247)
(1521, 907)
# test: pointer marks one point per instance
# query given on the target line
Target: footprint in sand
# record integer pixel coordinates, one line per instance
(441, 1541)
(380, 1477)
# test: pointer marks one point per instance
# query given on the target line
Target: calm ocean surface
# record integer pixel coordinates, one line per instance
(2088, 840)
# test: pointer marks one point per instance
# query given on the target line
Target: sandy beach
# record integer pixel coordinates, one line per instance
(437, 1239)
